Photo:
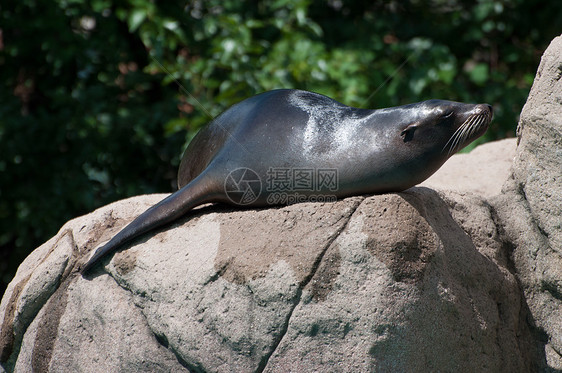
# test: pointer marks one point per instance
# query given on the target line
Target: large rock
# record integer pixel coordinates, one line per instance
(401, 282)
(454, 275)
(530, 209)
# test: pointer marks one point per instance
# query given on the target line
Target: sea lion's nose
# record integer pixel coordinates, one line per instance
(485, 108)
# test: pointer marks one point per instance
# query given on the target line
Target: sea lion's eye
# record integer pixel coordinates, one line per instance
(447, 114)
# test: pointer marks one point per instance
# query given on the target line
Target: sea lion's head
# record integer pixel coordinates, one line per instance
(446, 126)
(429, 132)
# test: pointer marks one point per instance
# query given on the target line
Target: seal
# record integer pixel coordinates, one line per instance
(306, 144)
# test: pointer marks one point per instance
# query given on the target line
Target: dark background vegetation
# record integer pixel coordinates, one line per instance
(99, 98)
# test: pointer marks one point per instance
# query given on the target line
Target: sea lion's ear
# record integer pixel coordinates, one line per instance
(408, 132)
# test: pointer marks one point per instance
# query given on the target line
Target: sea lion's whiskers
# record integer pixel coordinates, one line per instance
(465, 131)
(455, 137)
(477, 125)
(460, 137)
(470, 128)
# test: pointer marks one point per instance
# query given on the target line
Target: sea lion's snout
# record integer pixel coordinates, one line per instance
(485, 109)
(474, 124)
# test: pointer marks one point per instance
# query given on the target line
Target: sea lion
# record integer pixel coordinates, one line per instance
(292, 143)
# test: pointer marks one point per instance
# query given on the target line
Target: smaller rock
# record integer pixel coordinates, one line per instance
(482, 171)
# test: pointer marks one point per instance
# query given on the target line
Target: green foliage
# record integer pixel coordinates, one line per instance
(99, 97)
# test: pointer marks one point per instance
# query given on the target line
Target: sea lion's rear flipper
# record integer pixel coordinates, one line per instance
(170, 208)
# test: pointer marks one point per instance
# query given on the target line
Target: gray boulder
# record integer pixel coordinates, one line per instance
(453, 275)
(530, 208)
(401, 282)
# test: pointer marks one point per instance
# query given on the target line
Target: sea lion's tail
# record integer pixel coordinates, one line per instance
(170, 208)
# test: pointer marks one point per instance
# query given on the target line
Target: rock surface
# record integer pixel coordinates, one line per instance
(530, 208)
(482, 171)
(400, 282)
(459, 277)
